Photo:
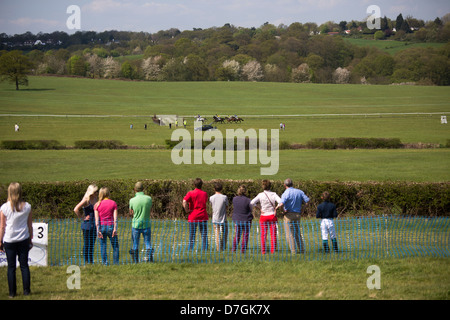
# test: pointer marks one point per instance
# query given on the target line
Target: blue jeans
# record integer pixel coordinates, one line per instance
(89, 237)
(135, 235)
(106, 232)
(203, 227)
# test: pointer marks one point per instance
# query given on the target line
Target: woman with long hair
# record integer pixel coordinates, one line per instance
(88, 224)
(106, 222)
(16, 234)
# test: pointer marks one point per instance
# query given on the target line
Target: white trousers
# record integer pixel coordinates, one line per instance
(327, 228)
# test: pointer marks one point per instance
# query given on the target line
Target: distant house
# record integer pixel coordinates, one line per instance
(39, 42)
(348, 31)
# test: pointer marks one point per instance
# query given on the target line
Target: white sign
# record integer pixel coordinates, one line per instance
(38, 254)
(443, 119)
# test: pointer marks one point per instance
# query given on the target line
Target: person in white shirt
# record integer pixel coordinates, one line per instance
(16, 233)
(267, 202)
(219, 204)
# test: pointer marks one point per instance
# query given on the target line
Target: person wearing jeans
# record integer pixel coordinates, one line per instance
(194, 203)
(106, 222)
(140, 206)
(107, 231)
(88, 224)
(16, 234)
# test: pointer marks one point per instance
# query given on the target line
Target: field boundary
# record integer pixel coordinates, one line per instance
(172, 241)
(247, 115)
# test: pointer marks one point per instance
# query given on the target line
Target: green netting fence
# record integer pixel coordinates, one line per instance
(357, 238)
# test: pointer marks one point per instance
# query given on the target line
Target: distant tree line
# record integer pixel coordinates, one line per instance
(296, 53)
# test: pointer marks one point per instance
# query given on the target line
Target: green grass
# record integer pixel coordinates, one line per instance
(393, 46)
(56, 95)
(321, 165)
(135, 103)
(401, 279)
(410, 278)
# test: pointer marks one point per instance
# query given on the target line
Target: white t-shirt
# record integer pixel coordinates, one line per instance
(16, 223)
(219, 203)
(268, 201)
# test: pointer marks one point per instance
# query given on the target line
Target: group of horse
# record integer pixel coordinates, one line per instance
(231, 119)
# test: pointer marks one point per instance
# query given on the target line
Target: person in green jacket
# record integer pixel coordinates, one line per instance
(140, 206)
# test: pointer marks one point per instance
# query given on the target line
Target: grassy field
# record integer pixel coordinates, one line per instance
(392, 46)
(401, 279)
(321, 165)
(376, 111)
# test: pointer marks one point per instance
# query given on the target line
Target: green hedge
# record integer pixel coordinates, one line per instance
(57, 200)
(31, 145)
(98, 144)
(317, 143)
(354, 143)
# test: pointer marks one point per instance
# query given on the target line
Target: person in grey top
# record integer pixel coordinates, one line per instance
(219, 204)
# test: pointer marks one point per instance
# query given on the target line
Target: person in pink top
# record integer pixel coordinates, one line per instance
(106, 222)
(194, 203)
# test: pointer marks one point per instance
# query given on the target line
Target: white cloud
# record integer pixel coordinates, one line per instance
(100, 6)
(26, 22)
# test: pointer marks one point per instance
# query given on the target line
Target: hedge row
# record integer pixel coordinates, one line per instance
(56, 145)
(31, 145)
(98, 144)
(324, 143)
(318, 143)
(57, 200)
(354, 143)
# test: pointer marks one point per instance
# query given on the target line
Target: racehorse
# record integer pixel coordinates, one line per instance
(218, 119)
(234, 119)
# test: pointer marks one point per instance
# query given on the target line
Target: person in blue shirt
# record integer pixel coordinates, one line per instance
(327, 212)
(292, 200)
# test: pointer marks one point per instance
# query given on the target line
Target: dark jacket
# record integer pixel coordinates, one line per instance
(326, 210)
(242, 210)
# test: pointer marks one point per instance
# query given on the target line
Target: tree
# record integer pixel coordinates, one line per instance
(341, 76)
(14, 67)
(252, 71)
(151, 67)
(127, 70)
(77, 66)
(301, 74)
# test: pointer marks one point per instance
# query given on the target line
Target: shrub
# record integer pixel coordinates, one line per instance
(99, 144)
(31, 145)
(353, 143)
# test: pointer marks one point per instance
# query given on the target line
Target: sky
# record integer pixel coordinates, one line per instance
(20, 16)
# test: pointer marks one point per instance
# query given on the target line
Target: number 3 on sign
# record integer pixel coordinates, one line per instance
(40, 233)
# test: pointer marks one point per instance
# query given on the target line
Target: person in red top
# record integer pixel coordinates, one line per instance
(195, 205)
